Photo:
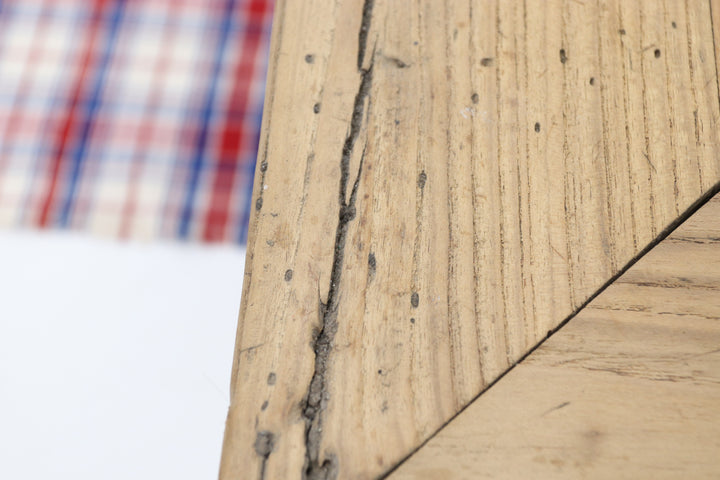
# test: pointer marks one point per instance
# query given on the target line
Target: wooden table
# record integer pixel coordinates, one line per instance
(443, 184)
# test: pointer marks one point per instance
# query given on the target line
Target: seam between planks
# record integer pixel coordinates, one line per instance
(699, 203)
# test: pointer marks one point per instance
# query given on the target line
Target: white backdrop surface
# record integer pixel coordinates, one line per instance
(115, 357)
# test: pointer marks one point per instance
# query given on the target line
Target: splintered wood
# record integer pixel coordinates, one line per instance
(440, 183)
(630, 388)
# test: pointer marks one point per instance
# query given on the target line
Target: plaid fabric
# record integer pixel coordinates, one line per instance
(133, 118)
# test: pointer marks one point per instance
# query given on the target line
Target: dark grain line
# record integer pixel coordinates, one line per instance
(420, 169)
(533, 287)
(501, 184)
(693, 89)
(474, 189)
(671, 108)
(612, 229)
(626, 95)
(646, 128)
(566, 155)
(518, 179)
(451, 290)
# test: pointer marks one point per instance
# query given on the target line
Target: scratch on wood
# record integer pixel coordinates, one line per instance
(250, 349)
(558, 407)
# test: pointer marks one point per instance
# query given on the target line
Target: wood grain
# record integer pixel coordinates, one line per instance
(440, 183)
(630, 388)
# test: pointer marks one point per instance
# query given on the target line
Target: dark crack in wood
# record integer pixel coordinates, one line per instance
(316, 398)
(364, 30)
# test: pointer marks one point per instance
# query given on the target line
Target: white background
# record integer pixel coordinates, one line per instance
(115, 358)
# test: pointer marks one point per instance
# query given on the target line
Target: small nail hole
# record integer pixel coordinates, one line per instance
(422, 178)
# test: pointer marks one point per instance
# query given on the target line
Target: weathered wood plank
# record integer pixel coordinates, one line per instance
(630, 388)
(440, 183)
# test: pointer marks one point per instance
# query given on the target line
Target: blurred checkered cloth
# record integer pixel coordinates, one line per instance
(131, 118)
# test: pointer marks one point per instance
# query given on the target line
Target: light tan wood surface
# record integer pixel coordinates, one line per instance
(440, 183)
(629, 388)
(715, 19)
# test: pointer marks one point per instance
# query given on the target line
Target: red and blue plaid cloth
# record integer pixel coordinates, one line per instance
(131, 118)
